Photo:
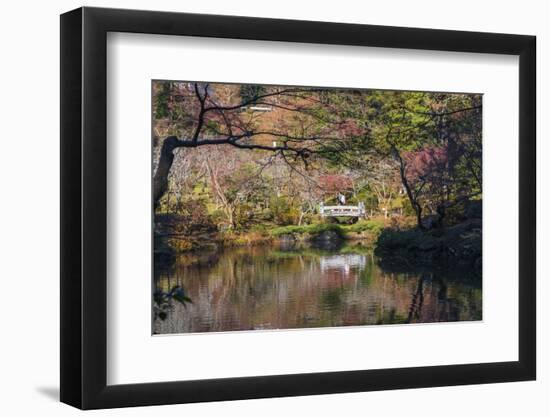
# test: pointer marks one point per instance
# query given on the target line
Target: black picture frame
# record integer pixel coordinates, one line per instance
(84, 207)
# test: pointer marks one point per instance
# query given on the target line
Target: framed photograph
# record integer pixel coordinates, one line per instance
(257, 208)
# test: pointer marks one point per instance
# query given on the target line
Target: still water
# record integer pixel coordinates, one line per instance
(276, 287)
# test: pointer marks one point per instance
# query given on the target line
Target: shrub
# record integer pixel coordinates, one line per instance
(309, 229)
(282, 211)
(180, 244)
(403, 223)
(372, 226)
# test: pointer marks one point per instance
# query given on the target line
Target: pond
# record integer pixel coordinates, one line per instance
(300, 286)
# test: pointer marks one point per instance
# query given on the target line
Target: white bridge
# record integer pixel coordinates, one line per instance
(342, 211)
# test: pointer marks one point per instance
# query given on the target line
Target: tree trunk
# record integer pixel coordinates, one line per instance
(160, 179)
(418, 211)
(301, 217)
(414, 202)
(231, 218)
(441, 212)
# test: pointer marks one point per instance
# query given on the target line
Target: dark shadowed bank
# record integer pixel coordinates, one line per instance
(456, 246)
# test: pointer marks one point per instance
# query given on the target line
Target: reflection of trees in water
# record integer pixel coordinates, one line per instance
(415, 309)
(448, 304)
(449, 294)
(266, 288)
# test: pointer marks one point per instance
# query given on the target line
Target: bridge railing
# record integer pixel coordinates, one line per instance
(342, 211)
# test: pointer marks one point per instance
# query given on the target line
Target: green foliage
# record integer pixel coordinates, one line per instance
(310, 229)
(163, 301)
(161, 99)
(371, 226)
(282, 211)
(195, 210)
(244, 215)
(366, 196)
(218, 216)
(250, 92)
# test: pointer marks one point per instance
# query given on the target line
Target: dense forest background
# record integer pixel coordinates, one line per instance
(240, 164)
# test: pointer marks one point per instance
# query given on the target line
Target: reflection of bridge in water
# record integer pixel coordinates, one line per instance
(343, 263)
(342, 211)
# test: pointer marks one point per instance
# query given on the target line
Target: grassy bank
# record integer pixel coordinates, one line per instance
(173, 235)
(364, 230)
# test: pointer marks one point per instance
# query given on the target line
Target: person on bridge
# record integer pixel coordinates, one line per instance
(341, 199)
